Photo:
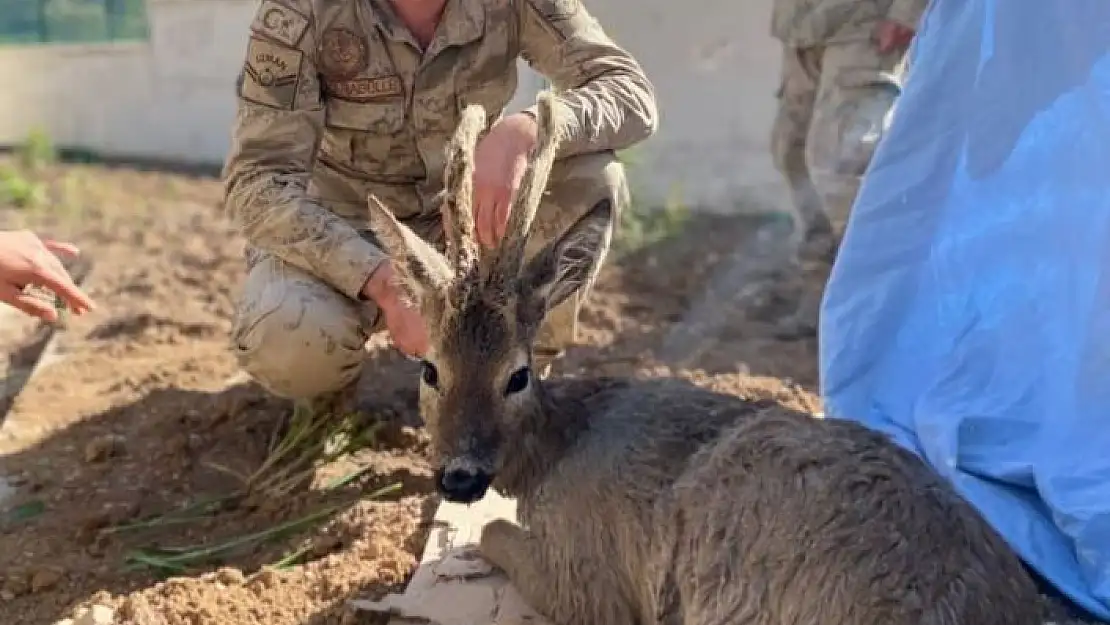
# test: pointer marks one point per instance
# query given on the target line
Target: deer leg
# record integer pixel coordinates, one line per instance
(551, 591)
(514, 551)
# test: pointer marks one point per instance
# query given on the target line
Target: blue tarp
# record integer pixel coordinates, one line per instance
(968, 313)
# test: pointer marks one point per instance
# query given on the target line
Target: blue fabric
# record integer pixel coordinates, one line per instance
(968, 314)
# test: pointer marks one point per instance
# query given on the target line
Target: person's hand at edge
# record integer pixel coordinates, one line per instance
(27, 260)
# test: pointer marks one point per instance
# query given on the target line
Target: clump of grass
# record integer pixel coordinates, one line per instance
(311, 440)
(640, 227)
(19, 182)
(20, 190)
(643, 225)
(37, 151)
(177, 560)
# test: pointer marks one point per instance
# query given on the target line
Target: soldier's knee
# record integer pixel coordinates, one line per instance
(296, 344)
(579, 182)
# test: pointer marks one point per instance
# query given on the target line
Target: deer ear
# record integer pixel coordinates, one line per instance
(420, 269)
(569, 262)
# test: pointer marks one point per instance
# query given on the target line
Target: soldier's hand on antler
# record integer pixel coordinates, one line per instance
(499, 164)
(406, 327)
(26, 260)
(892, 36)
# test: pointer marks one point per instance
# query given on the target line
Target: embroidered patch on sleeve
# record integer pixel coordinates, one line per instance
(279, 22)
(271, 74)
(557, 10)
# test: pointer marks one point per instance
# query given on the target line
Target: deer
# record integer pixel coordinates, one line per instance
(656, 501)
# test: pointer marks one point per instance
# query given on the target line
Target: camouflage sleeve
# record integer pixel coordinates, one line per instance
(907, 12)
(611, 101)
(275, 137)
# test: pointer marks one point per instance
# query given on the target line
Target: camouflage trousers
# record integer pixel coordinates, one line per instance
(835, 103)
(300, 338)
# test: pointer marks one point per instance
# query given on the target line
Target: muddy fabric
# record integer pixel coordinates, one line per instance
(301, 338)
(835, 103)
(807, 23)
(337, 101)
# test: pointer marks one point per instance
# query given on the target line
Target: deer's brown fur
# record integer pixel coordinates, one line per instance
(656, 501)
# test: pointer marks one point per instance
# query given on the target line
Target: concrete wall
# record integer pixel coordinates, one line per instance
(167, 99)
(172, 98)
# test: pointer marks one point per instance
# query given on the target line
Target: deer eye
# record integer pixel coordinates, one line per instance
(429, 374)
(518, 381)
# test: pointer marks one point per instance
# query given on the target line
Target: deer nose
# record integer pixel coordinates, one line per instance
(463, 485)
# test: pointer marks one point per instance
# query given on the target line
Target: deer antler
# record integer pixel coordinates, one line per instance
(462, 247)
(510, 257)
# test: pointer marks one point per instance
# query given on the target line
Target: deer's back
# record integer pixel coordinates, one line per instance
(699, 507)
(786, 519)
(596, 510)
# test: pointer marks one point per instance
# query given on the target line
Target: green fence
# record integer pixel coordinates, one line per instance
(72, 21)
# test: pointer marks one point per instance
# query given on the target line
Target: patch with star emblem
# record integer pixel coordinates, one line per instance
(280, 23)
(342, 54)
(271, 74)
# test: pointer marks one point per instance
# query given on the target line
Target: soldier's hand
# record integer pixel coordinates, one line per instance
(406, 327)
(27, 260)
(891, 36)
(500, 161)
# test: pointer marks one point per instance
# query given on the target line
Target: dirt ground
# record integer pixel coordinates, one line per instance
(114, 447)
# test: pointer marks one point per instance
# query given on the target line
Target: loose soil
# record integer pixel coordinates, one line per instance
(143, 411)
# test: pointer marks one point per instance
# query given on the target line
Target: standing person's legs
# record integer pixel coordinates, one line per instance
(797, 94)
(858, 87)
(855, 101)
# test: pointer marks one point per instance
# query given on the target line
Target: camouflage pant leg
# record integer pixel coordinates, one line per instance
(857, 91)
(835, 107)
(297, 336)
(801, 74)
(576, 185)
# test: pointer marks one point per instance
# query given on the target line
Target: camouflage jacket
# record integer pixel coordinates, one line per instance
(337, 100)
(816, 22)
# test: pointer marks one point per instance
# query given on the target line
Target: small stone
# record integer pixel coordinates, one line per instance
(45, 579)
(97, 615)
(103, 447)
(6, 595)
(230, 576)
(325, 545)
(266, 578)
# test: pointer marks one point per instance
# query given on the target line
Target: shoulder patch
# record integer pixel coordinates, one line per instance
(280, 22)
(557, 10)
(271, 74)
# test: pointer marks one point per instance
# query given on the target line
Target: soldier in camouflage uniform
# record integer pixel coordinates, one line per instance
(340, 99)
(842, 69)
